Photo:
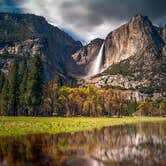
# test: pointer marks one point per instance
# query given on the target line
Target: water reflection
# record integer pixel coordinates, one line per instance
(141, 144)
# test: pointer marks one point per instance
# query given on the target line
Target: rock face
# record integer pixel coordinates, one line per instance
(83, 58)
(136, 38)
(163, 34)
(28, 35)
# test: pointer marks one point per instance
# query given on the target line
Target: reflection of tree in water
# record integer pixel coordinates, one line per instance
(23, 151)
(137, 144)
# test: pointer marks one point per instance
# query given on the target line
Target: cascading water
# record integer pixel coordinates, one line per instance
(96, 65)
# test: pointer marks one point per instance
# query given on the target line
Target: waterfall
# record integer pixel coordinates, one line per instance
(96, 65)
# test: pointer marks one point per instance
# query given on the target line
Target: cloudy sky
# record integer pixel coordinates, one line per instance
(88, 19)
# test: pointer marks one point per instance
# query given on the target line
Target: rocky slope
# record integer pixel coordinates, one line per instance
(28, 35)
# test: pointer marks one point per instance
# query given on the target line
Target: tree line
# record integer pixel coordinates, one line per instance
(91, 101)
(21, 92)
(85, 101)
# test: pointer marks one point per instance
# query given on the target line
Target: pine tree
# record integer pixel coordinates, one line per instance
(4, 99)
(35, 86)
(23, 76)
(13, 89)
(2, 80)
(59, 80)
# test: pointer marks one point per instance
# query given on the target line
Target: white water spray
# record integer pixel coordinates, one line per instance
(96, 65)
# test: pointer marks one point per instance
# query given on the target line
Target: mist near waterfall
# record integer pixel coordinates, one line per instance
(96, 65)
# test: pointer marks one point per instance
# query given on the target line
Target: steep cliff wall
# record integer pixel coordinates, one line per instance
(136, 38)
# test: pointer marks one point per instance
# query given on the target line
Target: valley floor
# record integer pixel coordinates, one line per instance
(16, 126)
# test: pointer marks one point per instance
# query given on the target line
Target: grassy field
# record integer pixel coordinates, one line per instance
(15, 126)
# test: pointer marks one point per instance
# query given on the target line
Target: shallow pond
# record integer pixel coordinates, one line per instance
(137, 144)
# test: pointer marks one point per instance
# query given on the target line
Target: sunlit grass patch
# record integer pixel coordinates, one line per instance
(14, 126)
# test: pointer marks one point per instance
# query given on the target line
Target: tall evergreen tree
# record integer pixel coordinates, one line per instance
(35, 85)
(59, 80)
(23, 76)
(2, 80)
(13, 89)
(4, 99)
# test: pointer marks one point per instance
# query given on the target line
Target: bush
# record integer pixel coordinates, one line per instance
(146, 90)
(119, 68)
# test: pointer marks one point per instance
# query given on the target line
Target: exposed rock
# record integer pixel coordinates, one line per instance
(164, 39)
(29, 47)
(136, 38)
(84, 57)
(116, 81)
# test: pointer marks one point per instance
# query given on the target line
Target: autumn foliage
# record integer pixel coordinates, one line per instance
(86, 101)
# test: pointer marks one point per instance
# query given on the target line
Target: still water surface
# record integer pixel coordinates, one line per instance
(140, 144)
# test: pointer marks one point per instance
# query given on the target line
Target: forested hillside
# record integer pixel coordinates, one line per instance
(22, 90)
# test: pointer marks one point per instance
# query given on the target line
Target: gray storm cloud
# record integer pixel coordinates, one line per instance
(89, 19)
(98, 11)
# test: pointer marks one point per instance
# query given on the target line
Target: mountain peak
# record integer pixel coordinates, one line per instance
(140, 16)
(140, 19)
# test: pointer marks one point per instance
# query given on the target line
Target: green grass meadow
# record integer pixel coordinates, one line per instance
(16, 126)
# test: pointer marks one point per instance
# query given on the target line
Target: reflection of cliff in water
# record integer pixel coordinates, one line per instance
(142, 144)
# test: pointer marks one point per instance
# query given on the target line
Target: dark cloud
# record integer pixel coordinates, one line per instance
(95, 12)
